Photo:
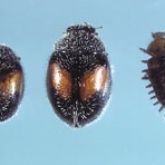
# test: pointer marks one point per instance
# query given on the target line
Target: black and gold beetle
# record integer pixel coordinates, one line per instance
(11, 82)
(79, 76)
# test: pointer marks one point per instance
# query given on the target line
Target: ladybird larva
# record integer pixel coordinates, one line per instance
(79, 76)
(11, 82)
(155, 72)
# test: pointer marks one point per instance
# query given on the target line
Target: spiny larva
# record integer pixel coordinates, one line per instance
(155, 71)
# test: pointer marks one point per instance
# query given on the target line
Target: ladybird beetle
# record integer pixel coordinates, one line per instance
(11, 82)
(79, 76)
(156, 68)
